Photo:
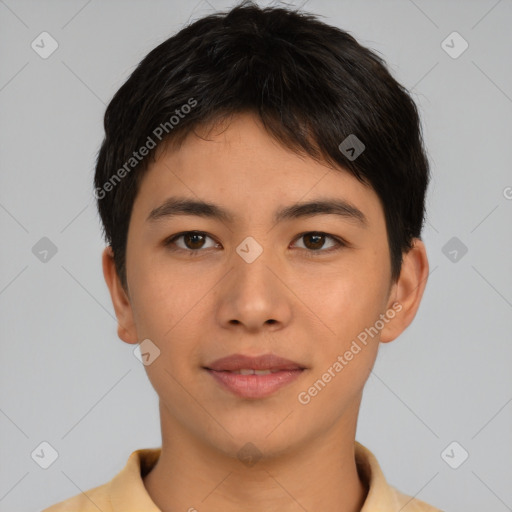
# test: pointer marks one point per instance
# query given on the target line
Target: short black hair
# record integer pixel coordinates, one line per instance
(311, 84)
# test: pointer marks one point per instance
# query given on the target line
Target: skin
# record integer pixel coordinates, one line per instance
(198, 309)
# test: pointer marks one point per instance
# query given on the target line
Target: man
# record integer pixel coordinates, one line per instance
(261, 186)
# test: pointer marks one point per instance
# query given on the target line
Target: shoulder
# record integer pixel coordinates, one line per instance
(382, 496)
(126, 491)
(88, 501)
(411, 504)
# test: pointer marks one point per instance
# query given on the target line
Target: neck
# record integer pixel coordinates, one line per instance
(320, 474)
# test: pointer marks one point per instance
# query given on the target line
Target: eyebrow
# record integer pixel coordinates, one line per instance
(174, 206)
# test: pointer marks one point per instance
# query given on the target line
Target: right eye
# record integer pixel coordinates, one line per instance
(193, 242)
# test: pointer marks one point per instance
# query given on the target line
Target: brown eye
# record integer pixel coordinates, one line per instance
(192, 241)
(314, 241)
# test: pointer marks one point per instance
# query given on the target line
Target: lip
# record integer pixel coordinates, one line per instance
(236, 362)
(255, 386)
(284, 371)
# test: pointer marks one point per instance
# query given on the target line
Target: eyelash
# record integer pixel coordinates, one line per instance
(309, 252)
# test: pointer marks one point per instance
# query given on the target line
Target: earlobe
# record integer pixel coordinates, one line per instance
(407, 292)
(122, 306)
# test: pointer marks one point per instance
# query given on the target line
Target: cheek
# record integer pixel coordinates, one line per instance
(169, 309)
(162, 296)
(350, 308)
(352, 317)
(352, 298)
(165, 307)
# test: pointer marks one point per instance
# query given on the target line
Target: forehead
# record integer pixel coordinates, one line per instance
(237, 163)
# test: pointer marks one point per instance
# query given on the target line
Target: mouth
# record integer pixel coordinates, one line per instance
(254, 377)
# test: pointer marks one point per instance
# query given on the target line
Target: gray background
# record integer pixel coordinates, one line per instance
(67, 379)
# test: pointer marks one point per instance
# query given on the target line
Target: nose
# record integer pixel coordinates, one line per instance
(254, 296)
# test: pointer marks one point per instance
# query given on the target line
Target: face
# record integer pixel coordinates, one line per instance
(303, 285)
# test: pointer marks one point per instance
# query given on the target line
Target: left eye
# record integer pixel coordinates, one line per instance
(316, 239)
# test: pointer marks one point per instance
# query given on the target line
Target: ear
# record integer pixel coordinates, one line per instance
(122, 306)
(407, 292)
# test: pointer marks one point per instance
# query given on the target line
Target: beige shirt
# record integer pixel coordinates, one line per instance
(126, 491)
